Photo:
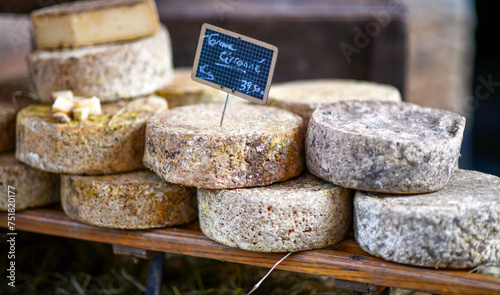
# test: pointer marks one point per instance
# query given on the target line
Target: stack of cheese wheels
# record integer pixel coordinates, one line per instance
(303, 97)
(110, 49)
(412, 205)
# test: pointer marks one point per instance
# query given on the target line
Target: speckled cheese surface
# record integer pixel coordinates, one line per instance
(184, 91)
(133, 200)
(303, 97)
(390, 147)
(109, 143)
(456, 227)
(9, 109)
(302, 213)
(31, 187)
(256, 146)
(109, 71)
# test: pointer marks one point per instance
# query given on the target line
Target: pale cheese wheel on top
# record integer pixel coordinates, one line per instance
(456, 227)
(303, 97)
(109, 71)
(112, 142)
(390, 147)
(133, 200)
(256, 145)
(24, 187)
(302, 213)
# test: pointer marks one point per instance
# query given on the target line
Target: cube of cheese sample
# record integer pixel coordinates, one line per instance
(86, 23)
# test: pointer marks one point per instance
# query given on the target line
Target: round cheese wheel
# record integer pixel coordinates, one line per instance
(456, 227)
(103, 144)
(255, 146)
(133, 200)
(184, 91)
(9, 109)
(299, 214)
(303, 97)
(109, 71)
(24, 187)
(391, 147)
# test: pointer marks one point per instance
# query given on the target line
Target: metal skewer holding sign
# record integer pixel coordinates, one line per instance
(234, 63)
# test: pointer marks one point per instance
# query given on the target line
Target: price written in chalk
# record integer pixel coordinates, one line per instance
(234, 63)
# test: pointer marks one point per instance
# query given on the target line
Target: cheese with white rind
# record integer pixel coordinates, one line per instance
(303, 97)
(133, 200)
(109, 71)
(256, 146)
(456, 227)
(25, 187)
(184, 91)
(85, 23)
(390, 147)
(9, 109)
(112, 142)
(302, 213)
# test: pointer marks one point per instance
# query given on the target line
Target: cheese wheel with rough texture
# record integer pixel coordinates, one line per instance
(303, 213)
(109, 143)
(184, 91)
(109, 71)
(24, 187)
(256, 146)
(456, 227)
(390, 147)
(303, 97)
(8, 110)
(133, 200)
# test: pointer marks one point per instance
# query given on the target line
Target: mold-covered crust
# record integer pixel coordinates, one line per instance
(133, 200)
(299, 214)
(303, 97)
(391, 147)
(30, 187)
(256, 146)
(456, 227)
(109, 143)
(109, 71)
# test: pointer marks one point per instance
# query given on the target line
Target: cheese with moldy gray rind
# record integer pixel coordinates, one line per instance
(184, 91)
(302, 213)
(103, 144)
(133, 200)
(109, 71)
(256, 146)
(29, 187)
(303, 97)
(390, 147)
(456, 227)
(85, 23)
(8, 109)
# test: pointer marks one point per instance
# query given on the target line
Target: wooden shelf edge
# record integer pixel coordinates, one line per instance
(345, 264)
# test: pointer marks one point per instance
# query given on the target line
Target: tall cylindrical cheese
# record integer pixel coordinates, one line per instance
(108, 143)
(24, 187)
(456, 227)
(255, 146)
(134, 200)
(109, 71)
(303, 213)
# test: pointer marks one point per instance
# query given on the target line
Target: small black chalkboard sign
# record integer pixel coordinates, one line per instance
(234, 63)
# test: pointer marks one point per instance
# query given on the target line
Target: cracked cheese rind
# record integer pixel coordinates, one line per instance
(86, 23)
(390, 147)
(256, 146)
(456, 227)
(302, 213)
(303, 97)
(103, 144)
(31, 187)
(133, 200)
(109, 71)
